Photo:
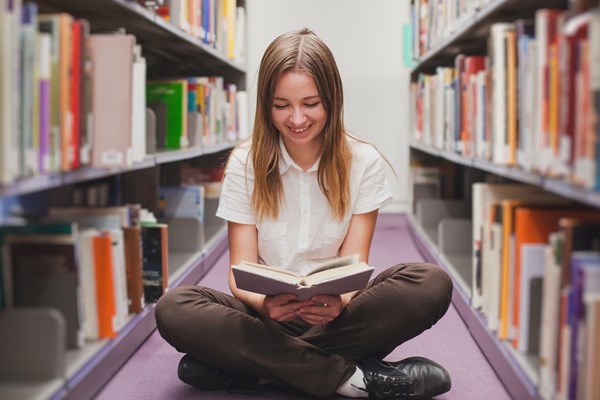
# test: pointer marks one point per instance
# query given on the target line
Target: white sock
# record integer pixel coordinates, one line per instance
(354, 387)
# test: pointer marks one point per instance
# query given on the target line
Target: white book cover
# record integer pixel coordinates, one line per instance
(527, 142)
(88, 283)
(111, 90)
(138, 106)
(43, 75)
(27, 159)
(10, 28)
(491, 301)
(240, 35)
(499, 93)
(549, 330)
(120, 279)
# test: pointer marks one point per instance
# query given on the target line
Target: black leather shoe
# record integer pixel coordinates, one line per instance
(384, 381)
(418, 378)
(429, 378)
(206, 377)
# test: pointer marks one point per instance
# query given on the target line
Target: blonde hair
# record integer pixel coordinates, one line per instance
(303, 51)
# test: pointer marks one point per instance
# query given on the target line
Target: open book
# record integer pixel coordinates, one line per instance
(337, 276)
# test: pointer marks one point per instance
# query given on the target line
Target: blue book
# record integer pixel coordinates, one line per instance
(583, 264)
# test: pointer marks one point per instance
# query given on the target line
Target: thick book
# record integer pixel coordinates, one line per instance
(111, 80)
(334, 277)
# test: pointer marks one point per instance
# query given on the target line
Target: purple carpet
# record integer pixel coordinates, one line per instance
(151, 371)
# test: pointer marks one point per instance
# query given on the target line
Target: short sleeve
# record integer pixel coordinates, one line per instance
(235, 203)
(373, 188)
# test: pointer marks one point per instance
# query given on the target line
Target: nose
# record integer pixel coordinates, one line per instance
(297, 117)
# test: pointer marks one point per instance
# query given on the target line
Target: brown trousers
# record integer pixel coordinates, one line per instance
(220, 330)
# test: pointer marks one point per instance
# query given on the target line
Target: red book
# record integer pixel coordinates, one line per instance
(76, 81)
(473, 64)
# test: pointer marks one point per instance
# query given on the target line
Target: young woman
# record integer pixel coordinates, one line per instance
(302, 192)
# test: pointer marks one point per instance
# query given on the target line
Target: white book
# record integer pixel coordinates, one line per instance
(240, 35)
(88, 283)
(41, 132)
(550, 319)
(10, 28)
(526, 158)
(491, 301)
(27, 159)
(499, 92)
(138, 106)
(120, 279)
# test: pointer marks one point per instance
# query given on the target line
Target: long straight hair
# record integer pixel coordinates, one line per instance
(301, 51)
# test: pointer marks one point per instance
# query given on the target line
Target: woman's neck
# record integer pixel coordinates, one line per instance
(305, 155)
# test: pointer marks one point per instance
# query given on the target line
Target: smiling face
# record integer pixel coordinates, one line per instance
(298, 112)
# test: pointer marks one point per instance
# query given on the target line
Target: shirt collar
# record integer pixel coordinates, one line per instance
(286, 161)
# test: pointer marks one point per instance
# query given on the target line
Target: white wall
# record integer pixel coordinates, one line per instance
(366, 40)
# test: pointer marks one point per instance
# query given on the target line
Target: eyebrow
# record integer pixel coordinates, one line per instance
(306, 98)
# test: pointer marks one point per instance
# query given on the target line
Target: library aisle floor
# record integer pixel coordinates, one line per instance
(150, 374)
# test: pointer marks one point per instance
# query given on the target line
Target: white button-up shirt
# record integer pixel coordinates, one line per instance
(305, 233)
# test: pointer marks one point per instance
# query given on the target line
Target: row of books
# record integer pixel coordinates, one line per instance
(531, 102)
(218, 23)
(531, 250)
(535, 271)
(191, 112)
(106, 262)
(434, 20)
(70, 98)
(97, 266)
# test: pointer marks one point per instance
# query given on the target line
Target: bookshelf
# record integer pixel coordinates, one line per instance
(169, 52)
(456, 122)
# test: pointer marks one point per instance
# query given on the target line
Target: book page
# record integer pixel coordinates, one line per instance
(334, 273)
(269, 272)
(335, 263)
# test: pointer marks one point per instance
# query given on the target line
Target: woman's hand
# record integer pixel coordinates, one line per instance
(283, 307)
(322, 309)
